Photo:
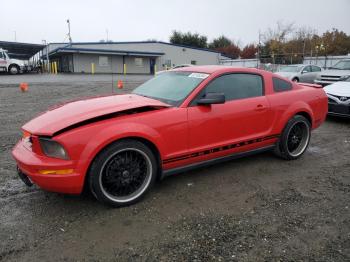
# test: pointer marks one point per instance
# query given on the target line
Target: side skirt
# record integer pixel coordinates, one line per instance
(214, 161)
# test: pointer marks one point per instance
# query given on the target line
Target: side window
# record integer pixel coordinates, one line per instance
(235, 86)
(316, 69)
(280, 85)
(1, 55)
(307, 69)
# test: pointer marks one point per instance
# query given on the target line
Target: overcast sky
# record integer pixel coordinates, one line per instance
(136, 20)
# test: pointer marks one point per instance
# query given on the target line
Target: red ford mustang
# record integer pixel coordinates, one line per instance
(117, 146)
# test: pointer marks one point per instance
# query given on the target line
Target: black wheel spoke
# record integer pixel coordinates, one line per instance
(297, 137)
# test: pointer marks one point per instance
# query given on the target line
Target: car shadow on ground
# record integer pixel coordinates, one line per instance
(339, 120)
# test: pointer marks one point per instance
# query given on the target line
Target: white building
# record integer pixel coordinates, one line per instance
(133, 57)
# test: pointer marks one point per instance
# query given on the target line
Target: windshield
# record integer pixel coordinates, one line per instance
(5, 55)
(290, 69)
(171, 87)
(342, 65)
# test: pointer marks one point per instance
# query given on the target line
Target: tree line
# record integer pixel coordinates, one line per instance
(284, 43)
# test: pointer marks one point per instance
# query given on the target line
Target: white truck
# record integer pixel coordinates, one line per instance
(12, 66)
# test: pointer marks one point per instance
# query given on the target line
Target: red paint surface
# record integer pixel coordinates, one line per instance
(176, 132)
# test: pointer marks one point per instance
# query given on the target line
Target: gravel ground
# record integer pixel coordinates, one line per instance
(258, 208)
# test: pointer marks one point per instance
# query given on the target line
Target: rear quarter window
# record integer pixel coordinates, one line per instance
(280, 85)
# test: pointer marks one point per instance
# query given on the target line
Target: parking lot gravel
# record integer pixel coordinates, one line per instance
(258, 208)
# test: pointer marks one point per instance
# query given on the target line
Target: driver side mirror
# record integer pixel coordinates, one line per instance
(212, 98)
(304, 71)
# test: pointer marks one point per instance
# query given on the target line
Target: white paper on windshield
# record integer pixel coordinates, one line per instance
(199, 75)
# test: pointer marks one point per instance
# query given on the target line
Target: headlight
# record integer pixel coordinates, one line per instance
(52, 148)
(343, 78)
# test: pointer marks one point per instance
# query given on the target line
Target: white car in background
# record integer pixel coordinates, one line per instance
(339, 98)
(300, 73)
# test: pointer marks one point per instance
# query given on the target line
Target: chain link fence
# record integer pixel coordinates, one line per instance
(274, 63)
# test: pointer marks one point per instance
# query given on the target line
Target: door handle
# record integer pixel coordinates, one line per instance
(260, 107)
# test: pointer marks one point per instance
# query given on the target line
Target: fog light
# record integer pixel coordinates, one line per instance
(56, 172)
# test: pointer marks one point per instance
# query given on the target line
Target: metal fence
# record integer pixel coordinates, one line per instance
(322, 61)
(249, 63)
(240, 62)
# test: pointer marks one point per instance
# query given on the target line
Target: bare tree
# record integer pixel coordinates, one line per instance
(280, 33)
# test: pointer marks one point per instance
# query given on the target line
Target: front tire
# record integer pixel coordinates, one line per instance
(123, 173)
(14, 70)
(295, 79)
(294, 139)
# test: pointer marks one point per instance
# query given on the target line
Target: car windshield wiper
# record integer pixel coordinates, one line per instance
(151, 97)
(144, 95)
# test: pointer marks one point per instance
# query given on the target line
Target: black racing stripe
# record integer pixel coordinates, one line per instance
(218, 149)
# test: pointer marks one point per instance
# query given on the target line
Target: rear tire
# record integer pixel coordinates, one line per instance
(294, 139)
(123, 173)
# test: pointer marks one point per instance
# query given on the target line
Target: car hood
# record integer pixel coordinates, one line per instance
(333, 72)
(66, 115)
(286, 74)
(338, 89)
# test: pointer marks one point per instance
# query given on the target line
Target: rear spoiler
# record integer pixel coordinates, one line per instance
(310, 85)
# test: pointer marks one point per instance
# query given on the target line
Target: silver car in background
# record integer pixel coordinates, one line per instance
(300, 73)
(338, 72)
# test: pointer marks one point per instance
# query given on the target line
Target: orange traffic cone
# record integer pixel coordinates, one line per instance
(120, 84)
(23, 87)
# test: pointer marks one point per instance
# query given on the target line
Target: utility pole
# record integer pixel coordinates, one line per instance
(259, 45)
(69, 36)
(304, 42)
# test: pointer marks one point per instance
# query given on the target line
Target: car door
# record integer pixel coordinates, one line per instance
(3, 62)
(306, 75)
(244, 115)
(315, 72)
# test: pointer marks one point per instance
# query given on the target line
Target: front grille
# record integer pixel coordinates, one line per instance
(329, 78)
(339, 109)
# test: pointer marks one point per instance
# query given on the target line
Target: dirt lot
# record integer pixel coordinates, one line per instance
(258, 208)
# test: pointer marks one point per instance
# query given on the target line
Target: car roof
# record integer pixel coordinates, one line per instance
(209, 69)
